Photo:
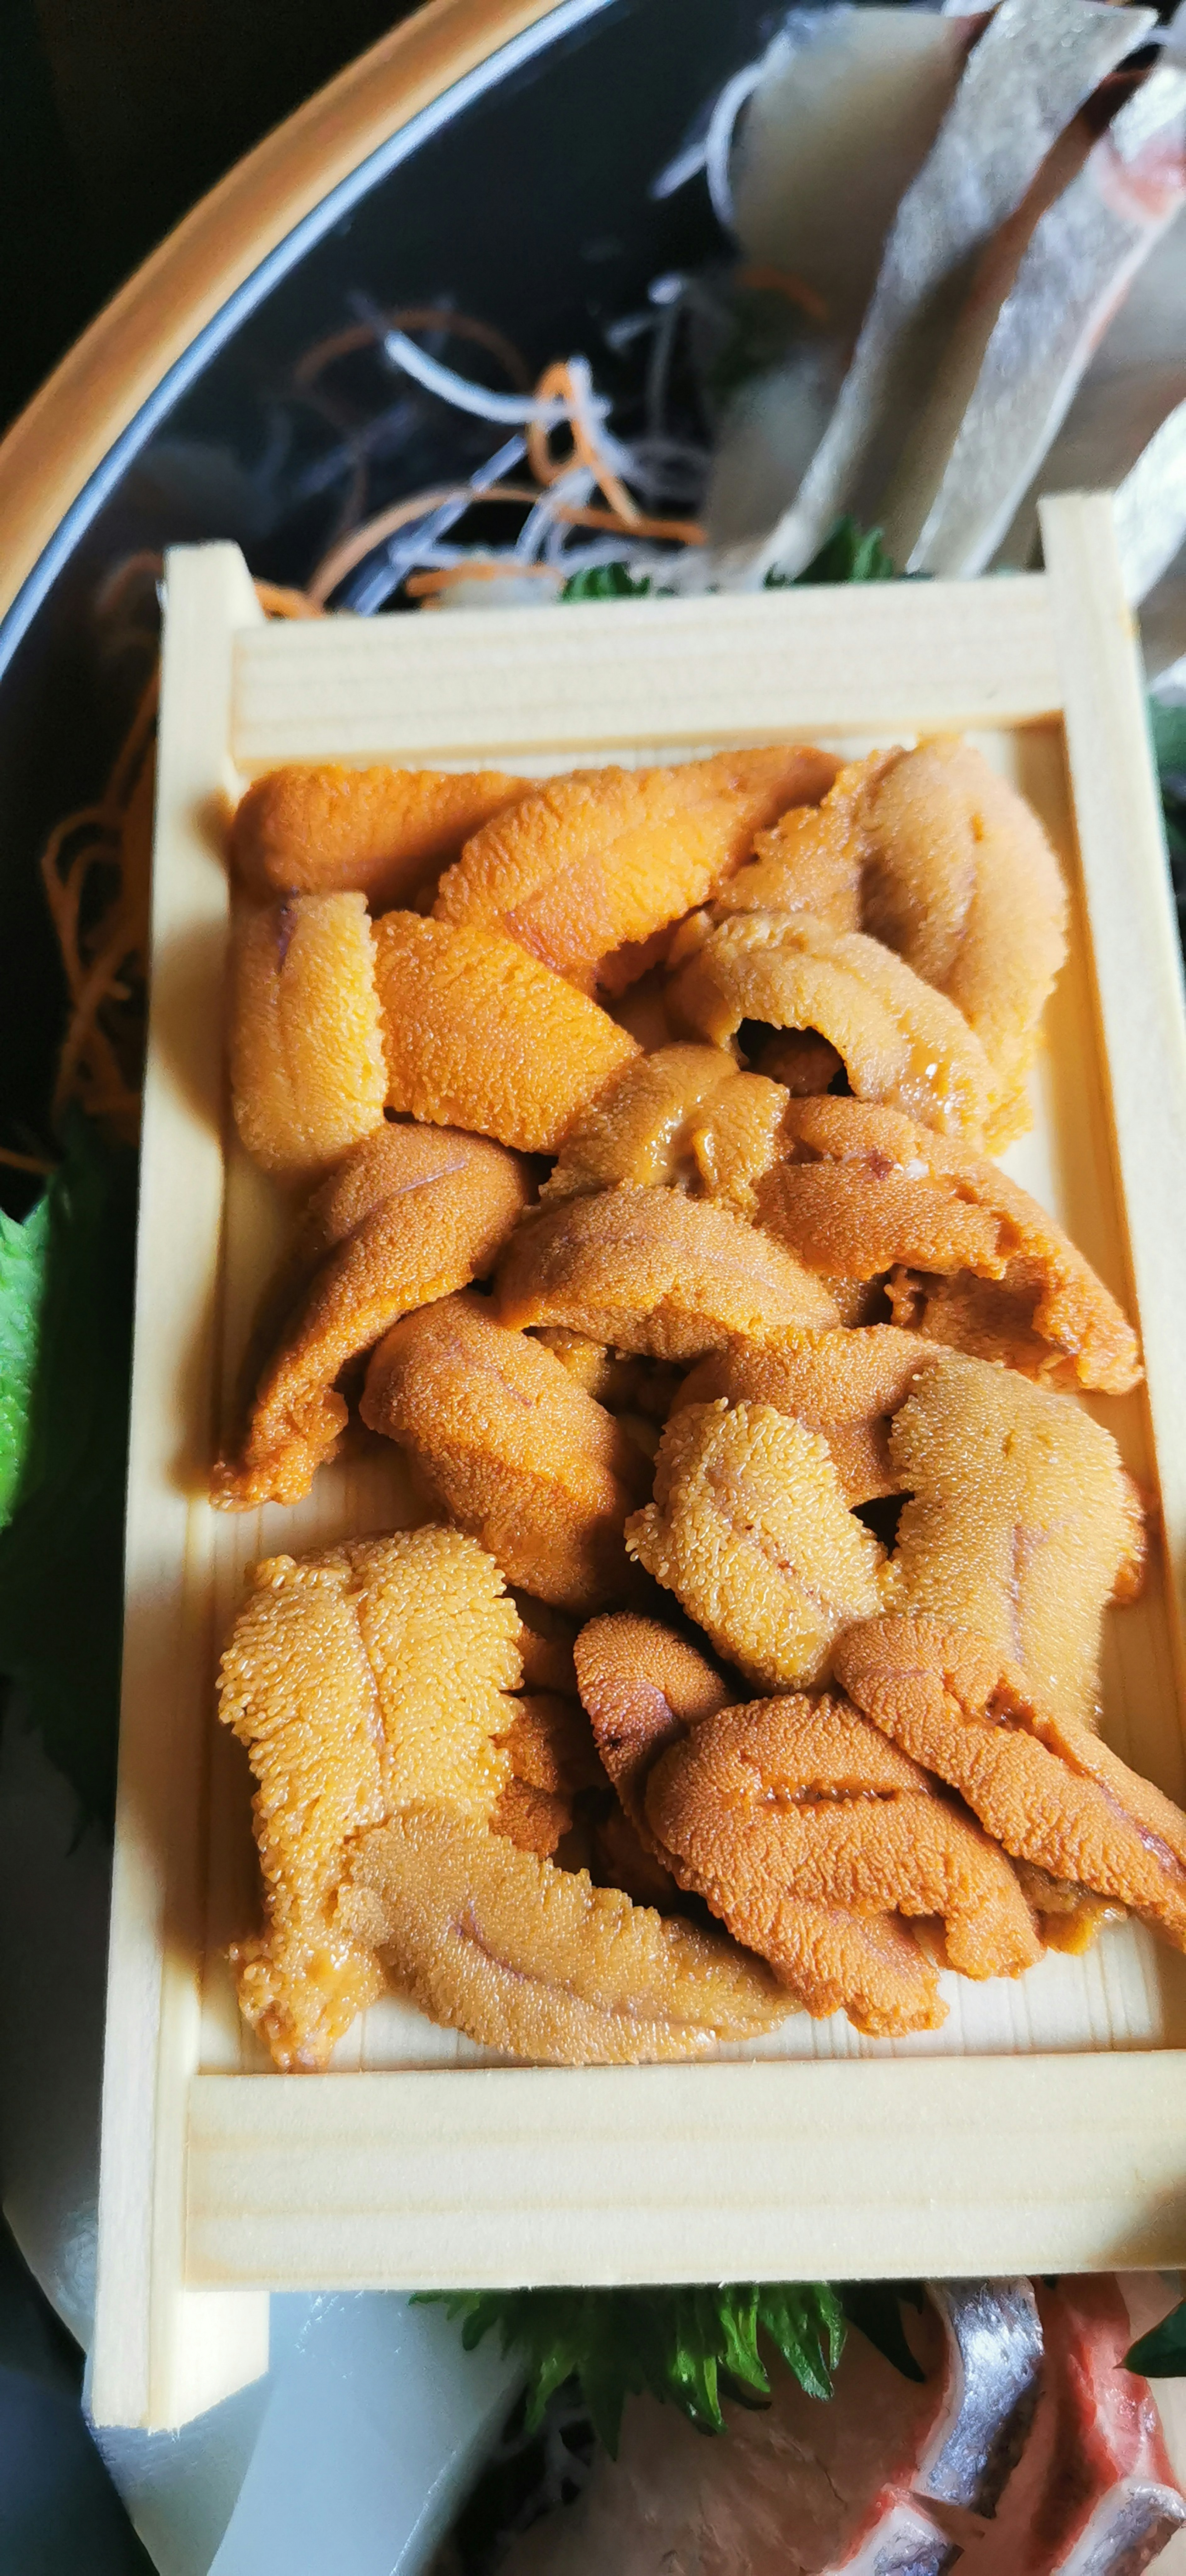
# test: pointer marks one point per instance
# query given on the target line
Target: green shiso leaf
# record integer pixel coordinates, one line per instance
(688, 2347)
(1161, 2354)
(1168, 728)
(849, 553)
(605, 581)
(65, 1351)
(22, 1288)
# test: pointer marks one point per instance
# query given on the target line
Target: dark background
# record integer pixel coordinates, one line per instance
(114, 116)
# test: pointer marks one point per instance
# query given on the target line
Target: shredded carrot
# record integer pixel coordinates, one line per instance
(96, 864)
(423, 585)
(556, 384)
(362, 541)
(688, 532)
(622, 517)
(414, 317)
(278, 601)
(96, 869)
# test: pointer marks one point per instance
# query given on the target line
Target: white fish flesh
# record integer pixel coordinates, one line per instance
(1082, 255)
(847, 107)
(1136, 378)
(1025, 80)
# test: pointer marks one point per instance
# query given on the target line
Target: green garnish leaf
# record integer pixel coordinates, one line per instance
(1168, 728)
(605, 581)
(1161, 2354)
(65, 1354)
(687, 2347)
(849, 553)
(807, 2326)
(22, 1288)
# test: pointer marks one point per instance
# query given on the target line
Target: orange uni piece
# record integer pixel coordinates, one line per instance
(413, 1213)
(900, 1041)
(861, 1191)
(1020, 1525)
(325, 829)
(750, 1530)
(1043, 1785)
(846, 1385)
(651, 1270)
(307, 1073)
(478, 1034)
(804, 1829)
(682, 1115)
(518, 1452)
(523, 1956)
(603, 858)
(357, 1680)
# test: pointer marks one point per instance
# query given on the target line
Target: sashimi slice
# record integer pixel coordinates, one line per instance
(993, 2384)
(1077, 267)
(1094, 2494)
(800, 2488)
(1026, 78)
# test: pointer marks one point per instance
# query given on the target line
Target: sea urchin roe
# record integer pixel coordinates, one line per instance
(1043, 1785)
(322, 828)
(412, 1214)
(801, 1798)
(750, 1530)
(962, 882)
(518, 1453)
(846, 1385)
(682, 1116)
(642, 1687)
(606, 857)
(900, 1041)
(809, 861)
(477, 1034)
(356, 1679)
(639, 1131)
(972, 1260)
(552, 1758)
(653, 1271)
(859, 1187)
(523, 1956)
(306, 1050)
(1019, 1523)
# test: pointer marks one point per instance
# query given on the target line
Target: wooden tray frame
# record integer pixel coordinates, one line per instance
(217, 2188)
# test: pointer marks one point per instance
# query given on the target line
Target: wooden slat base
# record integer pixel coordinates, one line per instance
(1043, 2127)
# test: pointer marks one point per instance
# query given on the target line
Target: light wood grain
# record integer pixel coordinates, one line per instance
(1137, 960)
(1042, 2125)
(163, 2352)
(68, 428)
(884, 658)
(689, 2173)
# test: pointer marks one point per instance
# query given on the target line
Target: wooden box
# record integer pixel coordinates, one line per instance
(1044, 2128)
